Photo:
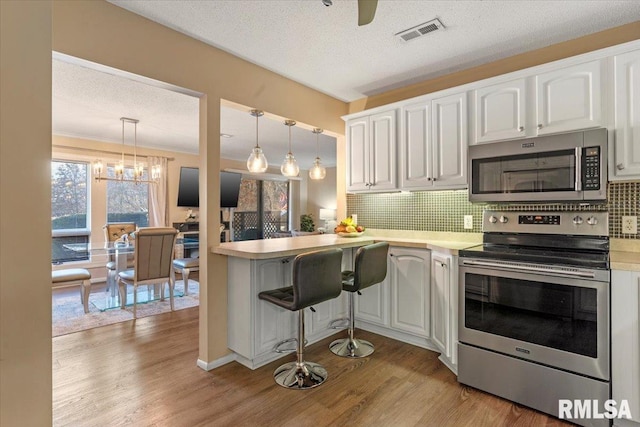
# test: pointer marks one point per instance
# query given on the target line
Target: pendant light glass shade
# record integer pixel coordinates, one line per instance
(290, 166)
(317, 171)
(257, 162)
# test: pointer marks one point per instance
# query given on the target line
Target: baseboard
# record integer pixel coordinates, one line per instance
(208, 366)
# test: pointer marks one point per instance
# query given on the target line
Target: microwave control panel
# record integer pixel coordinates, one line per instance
(591, 168)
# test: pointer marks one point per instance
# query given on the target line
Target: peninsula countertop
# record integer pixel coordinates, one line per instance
(289, 246)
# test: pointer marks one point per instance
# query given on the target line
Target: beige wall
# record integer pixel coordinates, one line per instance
(322, 194)
(600, 40)
(100, 32)
(25, 213)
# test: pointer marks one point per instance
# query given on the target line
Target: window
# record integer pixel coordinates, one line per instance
(69, 209)
(263, 209)
(127, 201)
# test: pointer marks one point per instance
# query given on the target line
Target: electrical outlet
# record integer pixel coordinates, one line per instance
(468, 222)
(629, 225)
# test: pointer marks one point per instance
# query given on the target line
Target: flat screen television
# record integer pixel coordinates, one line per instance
(188, 189)
(229, 189)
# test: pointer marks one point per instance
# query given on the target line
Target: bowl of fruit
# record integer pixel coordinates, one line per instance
(348, 228)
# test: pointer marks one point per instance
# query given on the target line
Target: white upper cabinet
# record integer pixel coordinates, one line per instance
(450, 141)
(433, 152)
(500, 111)
(626, 150)
(416, 153)
(371, 152)
(569, 98)
(557, 101)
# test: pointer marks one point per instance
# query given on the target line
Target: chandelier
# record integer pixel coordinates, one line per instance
(119, 168)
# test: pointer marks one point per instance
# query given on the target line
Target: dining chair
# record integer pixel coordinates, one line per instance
(112, 232)
(153, 263)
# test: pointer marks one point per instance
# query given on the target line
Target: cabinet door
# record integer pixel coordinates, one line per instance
(500, 111)
(626, 163)
(569, 99)
(373, 305)
(440, 300)
(358, 154)
(416, 168)
(272, 323)
(450, 141)
(382, 174)
(409, 286)
(625, 339)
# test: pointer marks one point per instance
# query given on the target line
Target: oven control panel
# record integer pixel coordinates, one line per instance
(566, 222)
(539, 219)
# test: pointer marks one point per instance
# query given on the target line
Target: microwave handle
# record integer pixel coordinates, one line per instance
(578, 184)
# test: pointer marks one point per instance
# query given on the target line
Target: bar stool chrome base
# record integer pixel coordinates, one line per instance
(300, 376)
(351, 347)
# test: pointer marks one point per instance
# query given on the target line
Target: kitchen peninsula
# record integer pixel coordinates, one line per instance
(416, 304)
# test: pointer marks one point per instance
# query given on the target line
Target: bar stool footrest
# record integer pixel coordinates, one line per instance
(342, 323)
(300, 376)
(280, 346)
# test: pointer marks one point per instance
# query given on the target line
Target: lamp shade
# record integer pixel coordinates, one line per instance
(327, 214)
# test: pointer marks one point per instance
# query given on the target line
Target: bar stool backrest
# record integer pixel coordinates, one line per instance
(317, 277)
(370, 265)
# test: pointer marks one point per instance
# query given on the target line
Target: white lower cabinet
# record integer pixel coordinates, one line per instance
(409, 285)
(625, 343)
(444, 306)
(416, 303)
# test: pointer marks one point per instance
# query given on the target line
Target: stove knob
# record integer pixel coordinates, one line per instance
(592, 220)
(504, 219)
(577, 220)
(493, 219)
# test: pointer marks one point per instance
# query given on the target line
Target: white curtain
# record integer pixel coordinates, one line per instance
(158, 206)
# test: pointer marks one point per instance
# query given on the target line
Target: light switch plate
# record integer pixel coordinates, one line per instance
(629, 225)
(468, 222)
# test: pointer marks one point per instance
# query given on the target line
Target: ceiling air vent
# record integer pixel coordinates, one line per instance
(420, 30)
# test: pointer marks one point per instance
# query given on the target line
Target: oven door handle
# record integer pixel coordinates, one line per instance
(578, 185)
(586, 274)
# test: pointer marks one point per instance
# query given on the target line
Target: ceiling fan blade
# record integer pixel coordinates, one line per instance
(366, 11)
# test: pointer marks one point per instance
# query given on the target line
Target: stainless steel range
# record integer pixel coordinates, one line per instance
(534, 309)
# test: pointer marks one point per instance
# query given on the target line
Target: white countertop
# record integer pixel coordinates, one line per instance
(288, 246)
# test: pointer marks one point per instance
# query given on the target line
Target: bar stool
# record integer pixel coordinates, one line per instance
(370, 269)
(316, 278)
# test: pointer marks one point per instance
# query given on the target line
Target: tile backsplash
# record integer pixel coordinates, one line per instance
(445, 210)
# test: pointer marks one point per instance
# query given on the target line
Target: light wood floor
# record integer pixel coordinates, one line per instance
(145, 374)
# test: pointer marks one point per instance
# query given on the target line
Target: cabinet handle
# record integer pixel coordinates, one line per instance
(443, 265)
(390, 254)
(434, 179)
(285, 261)
(429, 179)
(521, 129)
(539, 126)
(620, 166)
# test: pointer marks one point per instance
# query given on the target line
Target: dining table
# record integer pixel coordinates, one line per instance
(120, 250)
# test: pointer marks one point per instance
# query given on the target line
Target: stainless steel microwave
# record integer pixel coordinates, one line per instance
(563, 167)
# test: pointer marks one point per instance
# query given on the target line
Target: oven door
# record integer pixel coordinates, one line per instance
(560, 320)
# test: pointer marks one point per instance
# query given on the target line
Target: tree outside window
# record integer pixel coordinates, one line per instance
(69, 208)
(127, 201)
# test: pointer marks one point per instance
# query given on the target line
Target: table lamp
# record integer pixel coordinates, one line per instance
(327, 215)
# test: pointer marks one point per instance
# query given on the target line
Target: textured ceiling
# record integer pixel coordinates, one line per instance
(88, 103)
(323, 47)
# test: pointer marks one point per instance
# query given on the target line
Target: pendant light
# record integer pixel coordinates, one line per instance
(289, 166)
(317, 171)
(257, 162)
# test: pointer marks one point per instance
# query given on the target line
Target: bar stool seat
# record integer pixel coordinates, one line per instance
(370, 269)
(316, 278)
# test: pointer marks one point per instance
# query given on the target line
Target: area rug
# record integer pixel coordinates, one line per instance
(68, 314)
